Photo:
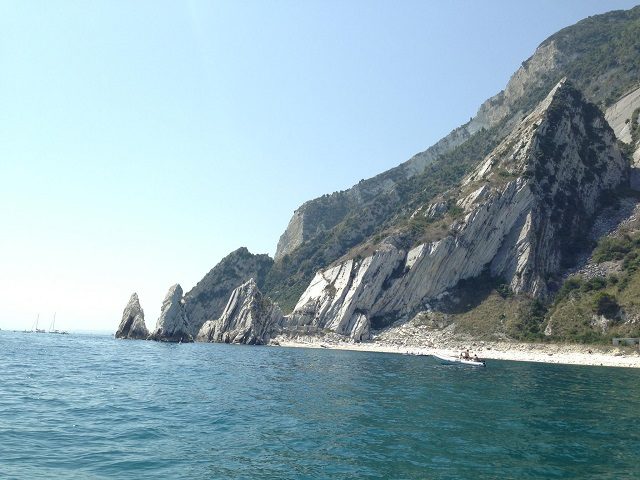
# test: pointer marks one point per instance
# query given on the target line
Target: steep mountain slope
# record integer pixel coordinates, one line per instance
(599, 55)
(477, 232)
(519, 215)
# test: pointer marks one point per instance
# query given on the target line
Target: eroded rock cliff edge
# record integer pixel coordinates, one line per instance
(520, 212)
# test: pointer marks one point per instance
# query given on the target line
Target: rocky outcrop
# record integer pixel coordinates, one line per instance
(525, 207)
(173, 324)
(132, 324)
(619, 115)
(248, 318)
(623, 116)
(207, 299)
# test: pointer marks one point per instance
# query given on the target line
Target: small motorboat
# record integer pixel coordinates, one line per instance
(451, 360)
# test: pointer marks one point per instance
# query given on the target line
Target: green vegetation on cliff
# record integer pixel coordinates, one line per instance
(602, 307)
(602, 53)
(387, 214)
(599, 55)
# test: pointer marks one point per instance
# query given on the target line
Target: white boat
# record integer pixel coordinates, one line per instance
(35, 328)
(52, 327)
(452, 360)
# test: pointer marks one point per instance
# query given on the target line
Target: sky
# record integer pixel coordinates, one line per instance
(141, 142)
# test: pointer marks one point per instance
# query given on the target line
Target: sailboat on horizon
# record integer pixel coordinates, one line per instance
(34, 327)
(52, 327)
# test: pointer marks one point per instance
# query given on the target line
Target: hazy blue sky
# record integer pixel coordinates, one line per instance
(142, 141)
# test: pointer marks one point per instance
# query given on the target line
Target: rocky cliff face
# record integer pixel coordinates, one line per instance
(207, 299)
(321, 214)
(173, 324)
(540, 168)
(248, 318)
(522, 210)
(599, 54)
(324, 213)
(623, 116)
(132, 324)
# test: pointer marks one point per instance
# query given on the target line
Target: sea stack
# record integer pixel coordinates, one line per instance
(248, 318)
(173, 325)
(132, 324)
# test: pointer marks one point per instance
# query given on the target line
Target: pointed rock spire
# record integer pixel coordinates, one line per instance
(249, 318)
(172, 325)
(132, 324)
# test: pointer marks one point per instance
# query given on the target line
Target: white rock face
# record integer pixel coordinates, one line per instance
(248, 318)
(531, 75)
(619, 114)
(341, 297)
(172, 325)
(206, 301)
(531, 196)
(132, 324)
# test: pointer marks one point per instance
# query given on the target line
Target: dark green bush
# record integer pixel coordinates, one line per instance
(606, 304)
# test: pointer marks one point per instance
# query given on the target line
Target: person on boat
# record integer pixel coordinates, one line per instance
(475, 357)
(465, 355)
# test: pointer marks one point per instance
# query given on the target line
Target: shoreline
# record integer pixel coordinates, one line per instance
(566, 354)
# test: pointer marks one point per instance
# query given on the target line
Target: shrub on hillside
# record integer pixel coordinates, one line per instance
(606, 304)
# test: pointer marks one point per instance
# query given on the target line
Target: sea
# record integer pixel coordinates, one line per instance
(93, 407)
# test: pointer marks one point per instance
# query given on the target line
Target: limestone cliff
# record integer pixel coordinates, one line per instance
(132, 324)
(248, 318)
(172, 325)
(323, 213)
(207, 299)
(522, 211)
(598, 54)
(623, 116)
(507, 195)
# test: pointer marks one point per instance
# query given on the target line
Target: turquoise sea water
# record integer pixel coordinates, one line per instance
(94, 407)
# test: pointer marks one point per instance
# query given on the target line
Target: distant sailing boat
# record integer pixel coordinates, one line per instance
(52, 327)
(34, 326)
(36, 329)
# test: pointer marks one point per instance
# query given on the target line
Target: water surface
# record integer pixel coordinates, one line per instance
(88, 407)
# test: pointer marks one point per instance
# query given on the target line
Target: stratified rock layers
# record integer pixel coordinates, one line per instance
(132, 324)
(207, 299)
(529, 200)
(172, 325)
(248, 318)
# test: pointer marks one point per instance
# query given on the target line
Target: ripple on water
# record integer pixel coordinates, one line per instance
(94, 407)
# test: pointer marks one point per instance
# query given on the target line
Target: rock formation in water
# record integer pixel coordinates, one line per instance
(173, 324)
(396, 243)
(520, 212)
(249, 318)
(132, 324)
(207, 299)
